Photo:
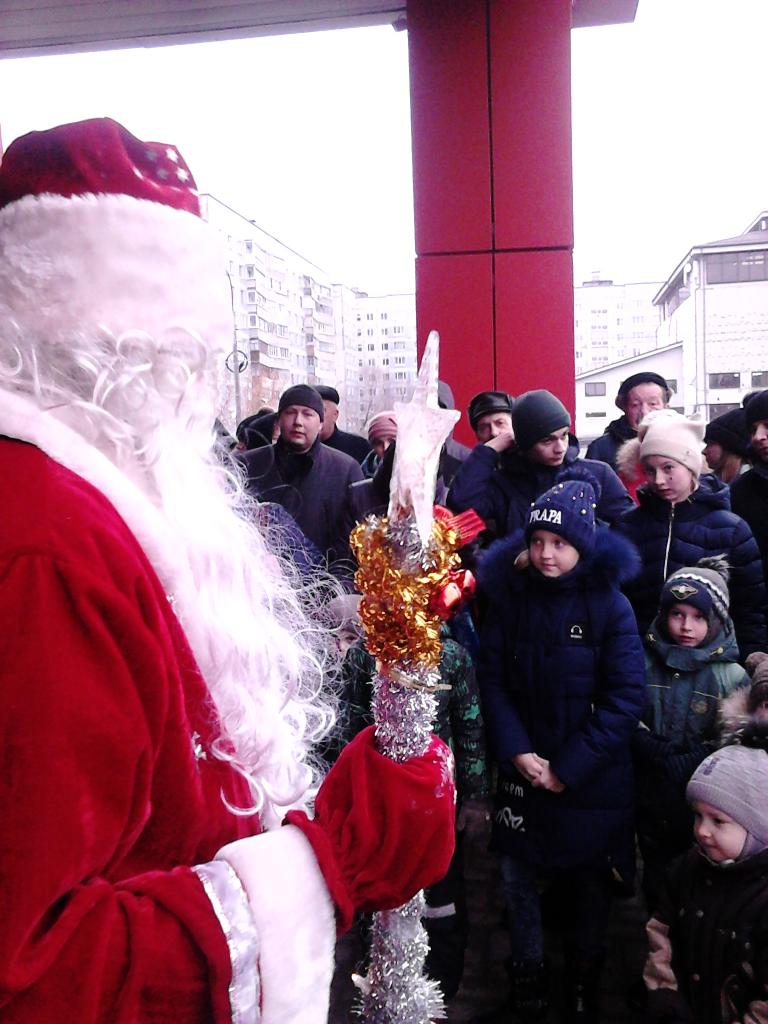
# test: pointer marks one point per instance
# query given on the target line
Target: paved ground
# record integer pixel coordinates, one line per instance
(484, 983)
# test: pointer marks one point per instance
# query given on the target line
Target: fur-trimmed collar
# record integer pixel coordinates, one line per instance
(614, 561)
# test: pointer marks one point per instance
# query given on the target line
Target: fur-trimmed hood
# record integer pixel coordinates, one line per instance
(628, 460)
(739, 725)
(614, 561)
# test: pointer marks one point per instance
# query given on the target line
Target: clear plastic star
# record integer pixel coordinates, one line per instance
(422, 428)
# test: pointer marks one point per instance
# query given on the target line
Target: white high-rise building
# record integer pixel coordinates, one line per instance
(613, 321)
(289, 316)
(385, 333)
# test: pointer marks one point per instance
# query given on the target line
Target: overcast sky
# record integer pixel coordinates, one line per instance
(309, 134)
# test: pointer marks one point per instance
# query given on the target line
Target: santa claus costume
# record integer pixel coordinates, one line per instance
(160, 685)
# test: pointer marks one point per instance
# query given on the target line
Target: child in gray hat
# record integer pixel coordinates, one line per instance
(708, 956)
(691, 665)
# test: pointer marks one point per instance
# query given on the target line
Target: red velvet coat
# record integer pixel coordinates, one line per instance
(107, 794)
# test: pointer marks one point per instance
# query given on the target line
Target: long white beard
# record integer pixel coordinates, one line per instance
(147, 443)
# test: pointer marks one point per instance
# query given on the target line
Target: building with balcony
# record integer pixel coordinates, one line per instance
(292, 323)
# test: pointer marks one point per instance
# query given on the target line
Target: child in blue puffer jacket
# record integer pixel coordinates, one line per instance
(691, 666)
(561, 680)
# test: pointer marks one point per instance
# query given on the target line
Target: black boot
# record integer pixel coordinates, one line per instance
(529, 992)
(582, 989)
(528, 1000)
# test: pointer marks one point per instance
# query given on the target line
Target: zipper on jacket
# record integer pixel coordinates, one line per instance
(669, 542)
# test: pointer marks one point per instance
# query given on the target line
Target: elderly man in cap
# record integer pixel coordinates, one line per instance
(308, 478)
(639, 394)
(490, 414)
(341, 440)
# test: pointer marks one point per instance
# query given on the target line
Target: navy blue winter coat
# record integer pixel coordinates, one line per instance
(669, 537)
(502, 488)
(605, 448)
(561, 674)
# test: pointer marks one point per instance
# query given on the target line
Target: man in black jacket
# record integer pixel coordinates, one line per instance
(354, 445)
(308, 479)
(639, 394)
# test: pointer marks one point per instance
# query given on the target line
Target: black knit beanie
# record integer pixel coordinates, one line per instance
(756, 408)
(536, 415)
(729, 431)
(302, 394)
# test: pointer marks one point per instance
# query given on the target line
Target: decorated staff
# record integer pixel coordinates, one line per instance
(409, 576)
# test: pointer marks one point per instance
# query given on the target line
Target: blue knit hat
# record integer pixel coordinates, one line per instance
(567, 509)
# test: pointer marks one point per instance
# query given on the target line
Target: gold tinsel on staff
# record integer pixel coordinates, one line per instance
(397, 609)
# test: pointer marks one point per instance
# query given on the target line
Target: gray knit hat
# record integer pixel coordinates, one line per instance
(735, 780)
(704, 586)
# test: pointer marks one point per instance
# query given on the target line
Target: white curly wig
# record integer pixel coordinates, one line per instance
(115, 315)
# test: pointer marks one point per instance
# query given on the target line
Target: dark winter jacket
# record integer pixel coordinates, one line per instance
(605, 447)
(561, 674)
(354, 445)
(502, 488)
(679, 727)
(749, 499)
(458, 721)
(669, 537)
(314, 488)
(709, 939)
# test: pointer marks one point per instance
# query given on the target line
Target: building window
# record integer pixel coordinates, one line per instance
(251, 296)
(724, 380)
(385, 346)
(722, 407)
(371, 348)
(729, 267)
(599, 415)
(384, 316)
(249, 246)
(760, 379)
(369, 316)
(593, 390)
(369, 332)
(249, 271)
(672, 384)
(253, 320)
(397, 330)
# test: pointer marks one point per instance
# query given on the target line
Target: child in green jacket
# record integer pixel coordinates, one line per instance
(691, 665)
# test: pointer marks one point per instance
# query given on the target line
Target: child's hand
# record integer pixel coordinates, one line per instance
(548, 780)
(530, 766)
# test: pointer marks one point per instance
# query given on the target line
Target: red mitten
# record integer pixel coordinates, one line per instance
(382, 830)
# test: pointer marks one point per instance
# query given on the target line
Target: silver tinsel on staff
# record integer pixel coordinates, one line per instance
(395, 989)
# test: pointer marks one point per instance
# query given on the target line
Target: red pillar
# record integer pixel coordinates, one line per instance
(491, 122)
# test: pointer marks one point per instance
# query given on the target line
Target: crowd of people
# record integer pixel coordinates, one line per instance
(182, 656)
(621, 609)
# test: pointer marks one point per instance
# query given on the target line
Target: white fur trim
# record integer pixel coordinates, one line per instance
(230, 904)
(69, 264)
(295, 920)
